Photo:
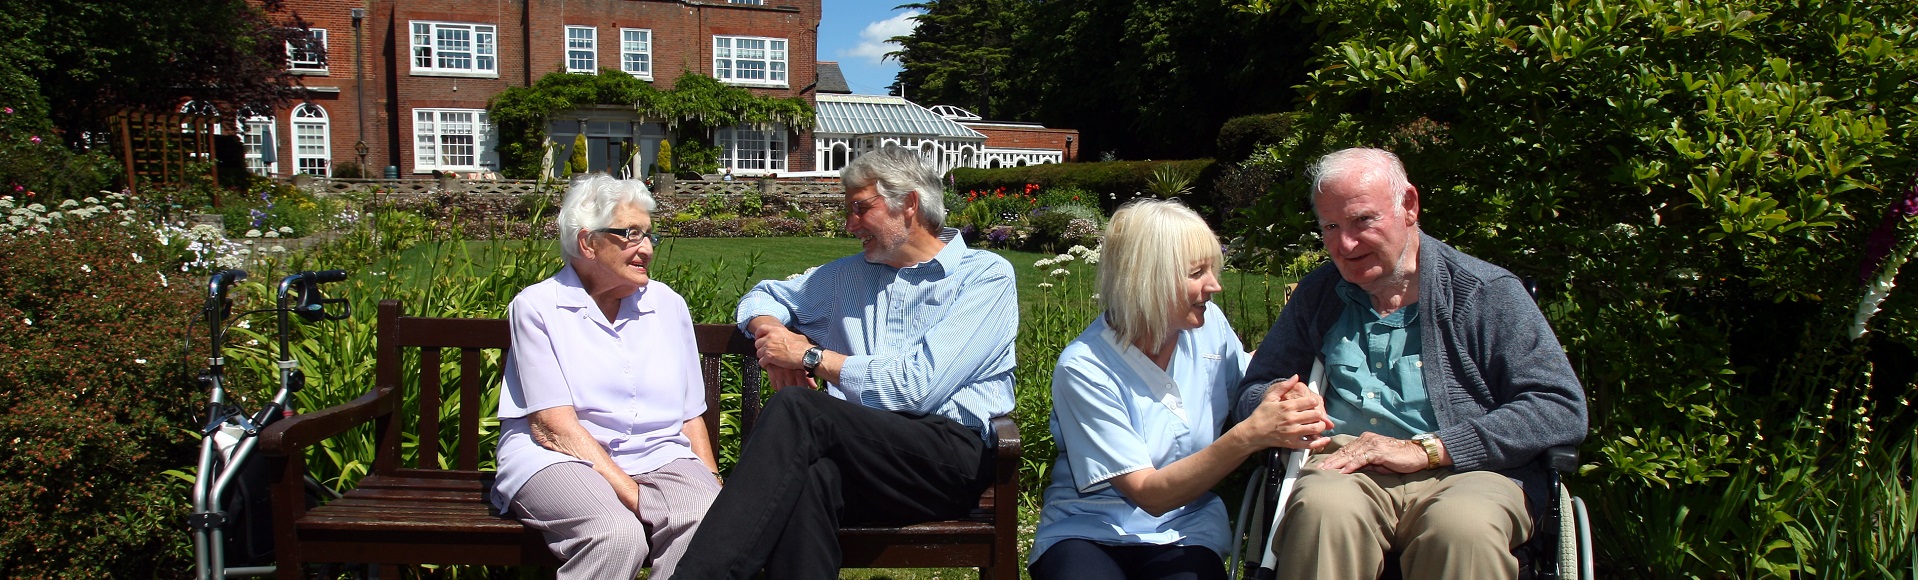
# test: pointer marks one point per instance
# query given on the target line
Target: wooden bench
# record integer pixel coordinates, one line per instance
(401, 515)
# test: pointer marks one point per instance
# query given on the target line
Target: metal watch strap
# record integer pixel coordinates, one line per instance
(1429, 441)
(812, 358)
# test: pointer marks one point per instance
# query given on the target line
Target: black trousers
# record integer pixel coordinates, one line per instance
(814, 462)
(1076, 558)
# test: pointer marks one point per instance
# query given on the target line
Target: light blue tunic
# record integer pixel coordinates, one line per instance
(1115, 412)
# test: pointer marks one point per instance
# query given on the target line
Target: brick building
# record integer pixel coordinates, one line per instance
(411, 79)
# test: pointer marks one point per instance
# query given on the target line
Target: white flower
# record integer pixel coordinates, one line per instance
(1095, 296)
(1063, 258)
(253, 233)
(69, 203)
(1043, 264)
(1059, 273)
(1078, 250)
(1045, 284)
(29, 321)
(92, 200)
(276, 249)
(272, 234)
(163, 282)
(137, 259)
(36, 208)
(140, 360)
(86, 268)
(286, 229)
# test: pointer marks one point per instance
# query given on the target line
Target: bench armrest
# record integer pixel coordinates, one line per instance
(289, 435)
(1005, 434)
(1562, 458)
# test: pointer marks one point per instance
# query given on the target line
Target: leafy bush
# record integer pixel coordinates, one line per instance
(96, 396)
(1693, 183)
(36, 166)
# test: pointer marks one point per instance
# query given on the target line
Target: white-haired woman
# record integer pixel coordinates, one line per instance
(601, 445)
(1138, 401)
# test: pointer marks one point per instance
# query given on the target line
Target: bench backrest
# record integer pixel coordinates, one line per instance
(481, 346)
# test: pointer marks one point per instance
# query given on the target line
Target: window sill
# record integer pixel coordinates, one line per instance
(420, 72)
(308, 72)
(756, 85)
(583, 71)
(648, 77)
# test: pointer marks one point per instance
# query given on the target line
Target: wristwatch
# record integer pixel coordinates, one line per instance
(1430, 442)
(811, 359)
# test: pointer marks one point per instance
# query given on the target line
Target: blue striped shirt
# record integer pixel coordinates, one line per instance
(931, 338)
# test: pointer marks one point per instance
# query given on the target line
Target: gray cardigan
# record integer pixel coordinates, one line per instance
(1501, 387)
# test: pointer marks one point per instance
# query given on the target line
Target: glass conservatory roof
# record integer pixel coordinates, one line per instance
(883, 115)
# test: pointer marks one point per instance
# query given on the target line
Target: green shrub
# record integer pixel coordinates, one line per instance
(96, 400)
(1241, 137)
(1693, 183)
(36, 166)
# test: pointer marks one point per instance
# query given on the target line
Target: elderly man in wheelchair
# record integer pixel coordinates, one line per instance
(1442, 386)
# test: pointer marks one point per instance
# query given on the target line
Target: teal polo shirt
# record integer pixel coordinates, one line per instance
(1373, 371)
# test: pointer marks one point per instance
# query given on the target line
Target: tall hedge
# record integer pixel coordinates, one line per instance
(1114, 181)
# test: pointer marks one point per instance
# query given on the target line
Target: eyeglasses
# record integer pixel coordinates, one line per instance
(858, 208)
(630, 236)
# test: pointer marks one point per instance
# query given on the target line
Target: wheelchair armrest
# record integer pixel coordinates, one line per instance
(1562, 458)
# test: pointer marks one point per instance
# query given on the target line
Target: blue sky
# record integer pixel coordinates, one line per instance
(854, 33)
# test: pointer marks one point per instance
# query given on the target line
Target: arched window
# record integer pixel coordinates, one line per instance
(965, 157)
(838, 157)
(312, 141)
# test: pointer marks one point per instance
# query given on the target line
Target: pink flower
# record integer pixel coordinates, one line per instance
(1878, 245)
(9, 110)
(35, 139)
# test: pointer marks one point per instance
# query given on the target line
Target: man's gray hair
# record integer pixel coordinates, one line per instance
(591, 199)
(898, 171)
(1359, 162)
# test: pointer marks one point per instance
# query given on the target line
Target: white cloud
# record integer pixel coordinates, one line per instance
(876, 40)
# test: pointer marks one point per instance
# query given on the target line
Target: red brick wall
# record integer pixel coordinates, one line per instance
(1030, 138)
(531, 42)
(343, 114)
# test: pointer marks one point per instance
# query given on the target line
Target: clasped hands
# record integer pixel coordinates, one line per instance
(1292, 416)
(780, 352)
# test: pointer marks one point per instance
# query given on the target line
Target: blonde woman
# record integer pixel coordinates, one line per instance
(1138, 403)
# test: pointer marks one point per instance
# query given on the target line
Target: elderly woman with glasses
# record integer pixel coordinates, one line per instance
(1138, 403)
(601, 445)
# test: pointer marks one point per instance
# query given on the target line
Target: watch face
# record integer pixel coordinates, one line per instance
(812, 357)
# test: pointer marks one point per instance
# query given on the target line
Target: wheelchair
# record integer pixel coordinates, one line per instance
(1560, 547)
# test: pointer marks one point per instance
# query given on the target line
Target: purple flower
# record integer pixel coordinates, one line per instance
(1879, 244)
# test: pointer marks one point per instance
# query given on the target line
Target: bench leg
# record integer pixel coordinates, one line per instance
(1001, 571)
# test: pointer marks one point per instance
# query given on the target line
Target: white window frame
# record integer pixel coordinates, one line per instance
(310, 123)
(636, 56)
(431, 136)
(432, 42)
(314, 61)
(253, 137)
(583, 50)
(770, 53)
(753, 2)
(752, 150)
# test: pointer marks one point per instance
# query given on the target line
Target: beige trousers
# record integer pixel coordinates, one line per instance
(1444, 524)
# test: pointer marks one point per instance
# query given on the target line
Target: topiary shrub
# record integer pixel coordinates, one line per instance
(1241, 137)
